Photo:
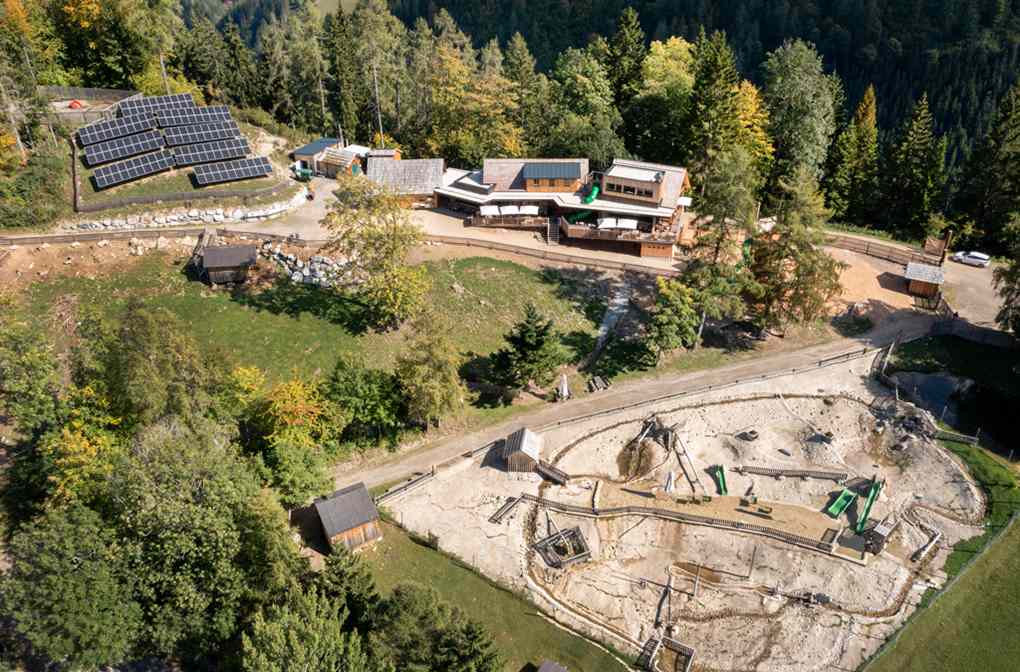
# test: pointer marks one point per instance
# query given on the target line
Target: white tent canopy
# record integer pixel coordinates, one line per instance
(629, 224)
(607, 223)
(509, 210)
(489, 211)
(530, 210)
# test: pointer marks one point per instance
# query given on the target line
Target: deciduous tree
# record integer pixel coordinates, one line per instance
(29, 384)
(674, 320)
(428, 371)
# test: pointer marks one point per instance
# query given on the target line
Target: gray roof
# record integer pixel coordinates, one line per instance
(550, 666)
(407, 176)
(228, 256)
(673, 179)
(346, 509)
(382, 153)
(316, 146)
(525, 441)
(508, 174)
(924, 273)
(552, 171)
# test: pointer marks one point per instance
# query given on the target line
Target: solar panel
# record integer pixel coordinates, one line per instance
(156, 103)
(115, 128)
(140, 166)
(207, 132)
(111, 150)
(233, 170)
(197, 115)
(211, 151)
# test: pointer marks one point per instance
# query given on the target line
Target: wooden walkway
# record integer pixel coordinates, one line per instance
(838, 476)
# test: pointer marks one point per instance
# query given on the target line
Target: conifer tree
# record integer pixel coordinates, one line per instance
(346, 91)
(915, 174)
(241, 77)
(428, 370)
(852, 182)
(627, 53)
(532, 354)
(674, 320)
(1007, 282)
(990, 194)
(714, 121)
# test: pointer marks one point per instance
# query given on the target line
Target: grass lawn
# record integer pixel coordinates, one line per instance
(523, 637)
(971, 627)
(175, 182)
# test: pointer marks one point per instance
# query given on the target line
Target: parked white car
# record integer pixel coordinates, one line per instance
(972, 259)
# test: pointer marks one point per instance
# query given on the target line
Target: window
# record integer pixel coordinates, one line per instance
(645, 193)
(628, 190)
(612, 186)
(550, 182)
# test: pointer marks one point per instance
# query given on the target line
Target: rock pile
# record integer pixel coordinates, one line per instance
(318, 270)
(186, 216)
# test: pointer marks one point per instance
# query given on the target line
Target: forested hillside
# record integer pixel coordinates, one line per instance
(963, 53)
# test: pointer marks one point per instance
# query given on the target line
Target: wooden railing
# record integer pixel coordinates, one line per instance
(628, 235)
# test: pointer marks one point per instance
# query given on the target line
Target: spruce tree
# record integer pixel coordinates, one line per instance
(674, 320)
(346, 91)
(852, 180)
(627, 53)
(241, 77)
(714, 121)
(916, 174)
(990, 193)
(532, 354)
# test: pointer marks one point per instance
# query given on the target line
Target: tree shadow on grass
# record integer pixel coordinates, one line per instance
(579, 345)
(293, 299)
(477, 372)
(622, 355)
(586, 289)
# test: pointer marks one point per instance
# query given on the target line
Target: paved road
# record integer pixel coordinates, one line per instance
(392, 469)
(969, 291)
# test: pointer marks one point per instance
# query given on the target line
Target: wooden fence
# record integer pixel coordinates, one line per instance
(891, 253)
(973, 332)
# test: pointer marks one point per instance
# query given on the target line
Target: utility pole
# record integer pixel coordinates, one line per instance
(322, 101)
(162, 69)
(378, 107)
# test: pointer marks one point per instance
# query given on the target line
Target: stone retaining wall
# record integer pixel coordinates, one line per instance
(185, 216)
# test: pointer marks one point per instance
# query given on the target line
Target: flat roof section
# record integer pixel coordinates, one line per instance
(637, 174)
(552, 171)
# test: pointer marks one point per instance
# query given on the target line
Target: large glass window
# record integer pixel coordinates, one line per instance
(629, 190)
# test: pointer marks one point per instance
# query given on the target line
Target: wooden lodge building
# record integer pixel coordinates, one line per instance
(349, 517)
(634, 206)
(328, 158)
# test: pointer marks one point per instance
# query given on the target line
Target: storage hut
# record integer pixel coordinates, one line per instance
(923, 279)
(228, 263)
(522, 450)
(349, 517)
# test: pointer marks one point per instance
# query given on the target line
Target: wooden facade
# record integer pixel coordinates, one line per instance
(553, 185)
(522, 451)
(349, 517)
(224, 264)
(356, 537)
(922, 288)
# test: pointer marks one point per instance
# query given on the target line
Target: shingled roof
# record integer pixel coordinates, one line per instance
(924, 273)
(346, 509)
(228, 256)
(407, 176)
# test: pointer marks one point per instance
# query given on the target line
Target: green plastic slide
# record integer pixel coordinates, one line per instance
(577, 216)
(720, 480)
(876, 488)
(842, 503)
(592, 195)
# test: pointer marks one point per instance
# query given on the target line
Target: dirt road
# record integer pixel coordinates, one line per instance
(394, 468)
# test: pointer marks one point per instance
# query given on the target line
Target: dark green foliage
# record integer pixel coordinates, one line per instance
(347, 580)
(29, 195)
(990, 192)
(532, 354)
(915, 174)
(70, 590)
(1007, 282)
(851, 182)
(417, 631)
(713, 124)
(29, 384)
(626, 53)
(372, 398)
(346, 91)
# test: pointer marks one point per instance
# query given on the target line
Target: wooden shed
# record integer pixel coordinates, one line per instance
(923, 279)
(522, 450)
(349, 517)
(228, 263)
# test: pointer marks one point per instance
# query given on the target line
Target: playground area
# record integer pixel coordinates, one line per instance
(787, 524)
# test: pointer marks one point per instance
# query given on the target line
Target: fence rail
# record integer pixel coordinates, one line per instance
(65, 92)
(892, 253)
(405, 487)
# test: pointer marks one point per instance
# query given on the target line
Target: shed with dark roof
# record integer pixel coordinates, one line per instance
(349, 517)
(228, 263)
(923, 279)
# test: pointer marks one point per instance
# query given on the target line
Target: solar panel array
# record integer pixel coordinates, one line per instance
(111, 150)
(218, 150)
(207, 132)
(161, 132)
(131, 169)
(186, 117)
(233, 170)
(156, 103)
(115, 128)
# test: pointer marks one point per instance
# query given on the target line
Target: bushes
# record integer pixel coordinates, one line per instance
(33, 194)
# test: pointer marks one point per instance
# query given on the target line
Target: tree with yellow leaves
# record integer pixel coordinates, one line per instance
(753, 132)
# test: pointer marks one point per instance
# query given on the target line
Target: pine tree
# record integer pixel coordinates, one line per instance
(990, 193)
(797, 278)
(346, 90)
(627, 53)
(345, 578)
(428, 370)
(851, 184)
(714, 122)
(532, 354)
(915, 174)
(241, 77)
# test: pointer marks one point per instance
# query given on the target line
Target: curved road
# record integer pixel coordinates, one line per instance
(393, 468)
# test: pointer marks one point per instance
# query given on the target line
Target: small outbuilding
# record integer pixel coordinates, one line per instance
(522, 450)
(924, 279)
(349, 517)
(228, 263)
